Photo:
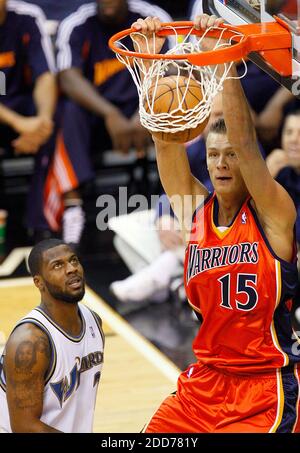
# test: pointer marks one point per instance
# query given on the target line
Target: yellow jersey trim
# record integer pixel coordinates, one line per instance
(280, 401)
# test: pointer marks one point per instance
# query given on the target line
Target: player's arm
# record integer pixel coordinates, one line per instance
(45, 98)
(39, 56)
(184, 191)
(26, 363)
(72, 58)
(273, 203)
(45, 95)
(269, 120)
(8, 116)
(83, 92)
(20, 123)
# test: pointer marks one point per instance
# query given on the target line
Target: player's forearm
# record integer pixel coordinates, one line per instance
(240, 129)
(45, 95)
(8, 116)
(281, 97)
(185, 193)
(174, 169)
(83, 92)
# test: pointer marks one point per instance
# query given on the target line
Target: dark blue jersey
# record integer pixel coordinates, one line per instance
(59, 9)
(82, 43)
(25, 48)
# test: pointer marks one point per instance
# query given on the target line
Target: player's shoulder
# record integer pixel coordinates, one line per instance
(25, 12)
(27, 334)
(79, 19)
(96, 317)
(85, 310)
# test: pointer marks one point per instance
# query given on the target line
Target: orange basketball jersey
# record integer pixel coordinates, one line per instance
(244, 293)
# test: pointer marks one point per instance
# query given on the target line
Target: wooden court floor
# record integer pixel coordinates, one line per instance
(136, 376)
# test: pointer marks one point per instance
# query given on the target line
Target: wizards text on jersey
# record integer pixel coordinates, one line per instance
(65, 388)
(204, 259)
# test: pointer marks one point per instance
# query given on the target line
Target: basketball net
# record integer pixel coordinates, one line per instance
(147, 73)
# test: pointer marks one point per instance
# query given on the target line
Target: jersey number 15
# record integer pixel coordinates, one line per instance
(243, 287)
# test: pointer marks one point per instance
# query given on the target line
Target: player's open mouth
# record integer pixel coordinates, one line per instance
(223, 178)
(75, 282)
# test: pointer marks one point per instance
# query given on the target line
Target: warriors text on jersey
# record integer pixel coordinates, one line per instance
(73, 376)
(243, 292)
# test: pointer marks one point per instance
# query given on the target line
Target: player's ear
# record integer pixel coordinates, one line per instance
(39, 283)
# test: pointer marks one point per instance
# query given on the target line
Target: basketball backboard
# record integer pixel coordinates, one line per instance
(238, 12)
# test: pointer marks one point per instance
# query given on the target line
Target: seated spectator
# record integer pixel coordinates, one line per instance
(284, 166)
(269, 120)
(101, 99)
(284, 163)
(58, 10)
(27, 108)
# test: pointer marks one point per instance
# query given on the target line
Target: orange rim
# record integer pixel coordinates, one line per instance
(271, 39)
(182, 28)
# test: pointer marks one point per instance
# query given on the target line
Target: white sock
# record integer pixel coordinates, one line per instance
(149, 280)
(163, 268)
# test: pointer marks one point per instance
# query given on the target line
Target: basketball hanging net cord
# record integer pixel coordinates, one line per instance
(146, 74)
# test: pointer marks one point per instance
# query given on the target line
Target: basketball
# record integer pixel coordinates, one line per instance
(169, 93)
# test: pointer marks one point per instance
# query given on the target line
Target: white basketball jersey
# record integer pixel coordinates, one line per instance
(72, 381)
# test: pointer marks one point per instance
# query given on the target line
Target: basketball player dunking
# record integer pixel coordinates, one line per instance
(51, 364)
(240, 277)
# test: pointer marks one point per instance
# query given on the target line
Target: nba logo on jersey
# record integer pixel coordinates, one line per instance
(190, 372)
(244, 218)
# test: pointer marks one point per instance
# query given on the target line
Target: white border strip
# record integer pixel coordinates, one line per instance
(120, 326)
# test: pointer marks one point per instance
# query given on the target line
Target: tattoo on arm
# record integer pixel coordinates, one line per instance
(25, 357)
(27, 385)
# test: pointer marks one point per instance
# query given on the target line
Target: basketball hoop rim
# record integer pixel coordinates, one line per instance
(257, 37)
